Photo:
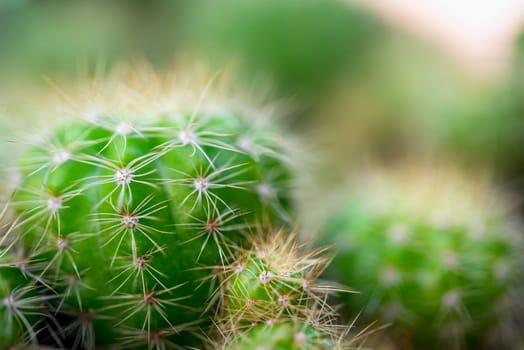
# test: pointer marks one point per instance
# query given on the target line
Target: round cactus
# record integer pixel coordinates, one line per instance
(273, 279)
(435, 254)
(123, 208)
(271, 298)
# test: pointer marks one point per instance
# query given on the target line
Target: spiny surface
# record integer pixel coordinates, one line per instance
(287, 335)
(120, 211)
(271, 298)
(20, 306)
(434, 254)
(275, 279)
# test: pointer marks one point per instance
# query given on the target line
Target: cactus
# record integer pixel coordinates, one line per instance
(271, 298)
(284, 335)
(119, 210)
(273, 279)
(19, 307)
(20, 303)
(294, 334)
(436, 254)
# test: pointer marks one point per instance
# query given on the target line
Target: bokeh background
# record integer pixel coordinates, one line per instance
(373, 78)
(366, 82)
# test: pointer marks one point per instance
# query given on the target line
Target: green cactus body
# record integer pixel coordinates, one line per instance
(124, 211)
(19, 306)
(271, 299)
(431, 255)
(286, 335)
(258, 290)
(271, 280)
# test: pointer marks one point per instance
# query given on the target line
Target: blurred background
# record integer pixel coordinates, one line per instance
(367, 82)
(382, 78)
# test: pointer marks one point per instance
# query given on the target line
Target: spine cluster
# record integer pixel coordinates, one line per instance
(271, 298)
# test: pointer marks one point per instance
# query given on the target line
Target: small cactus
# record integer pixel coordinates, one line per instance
(435, 254)
(272, 299)
(272, 279)
(121, 208)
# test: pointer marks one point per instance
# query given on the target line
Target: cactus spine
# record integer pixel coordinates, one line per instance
(21, 306)
(271, 298)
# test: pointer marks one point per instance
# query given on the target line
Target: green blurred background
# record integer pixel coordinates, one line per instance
(359, 90)
(358, 87)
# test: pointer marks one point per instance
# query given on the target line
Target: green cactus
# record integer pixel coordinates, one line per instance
(120, 210)
(286, 335)
(271, 298)
(436, 254)
(18, 305)
(273, 279)
(23, 307)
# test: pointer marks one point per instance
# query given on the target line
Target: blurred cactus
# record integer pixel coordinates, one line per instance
(19, 307)
(434, 253)
(24, 308)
